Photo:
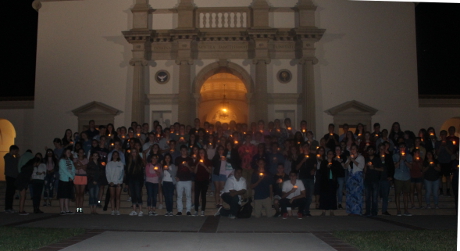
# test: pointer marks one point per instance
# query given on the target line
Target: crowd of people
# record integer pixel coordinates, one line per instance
(271, 166)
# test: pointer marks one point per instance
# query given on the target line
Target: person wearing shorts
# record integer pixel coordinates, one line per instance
(403, 163)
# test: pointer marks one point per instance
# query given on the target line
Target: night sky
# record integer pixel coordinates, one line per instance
(438, 48)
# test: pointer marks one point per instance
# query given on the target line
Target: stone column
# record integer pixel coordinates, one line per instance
(260, 90)
(186, 114)
(138, 97)
(308, 92)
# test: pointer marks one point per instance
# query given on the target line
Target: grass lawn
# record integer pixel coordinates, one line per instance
(417, 240)
(24, 238)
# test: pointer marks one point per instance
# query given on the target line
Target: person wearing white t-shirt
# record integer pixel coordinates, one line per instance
(235, 186)
(293, 195)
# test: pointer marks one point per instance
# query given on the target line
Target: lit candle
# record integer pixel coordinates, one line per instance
(261, 131)
(295, 187)
(367, 144)
(403, 153)
(236, 141)
(155, 168)
(331, 134)
(165, 167)
(453, 142)
(261, 174)
(330, 163)
(201, 160)
(194, 156)
(110, 134)
(183, 162)
(289, 128)
(431, 163)
(376, 135)
(359, 134)
(338, 157)
(417, 158)
(431, 134)
(317, 147)
(383, 155)
(244, 132)
(222, 157)
(279, 180)
(298, 143)
(103, 163)
(278, 130)
(352, 156)
(303, 130)
(369, 163)
(123, 136)
(416, 147)
(318, 155)
(306, 156)
(128, 151)
(112, 144)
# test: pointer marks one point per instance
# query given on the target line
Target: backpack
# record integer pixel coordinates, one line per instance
(245, 210)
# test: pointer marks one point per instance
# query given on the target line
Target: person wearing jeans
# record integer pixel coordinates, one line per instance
(341, 157)
(372, 172)
(307, 167)
(293, 195)
(168, 182)
(152, 173)
(135, 177)
(11, 173)
(431, 175)
(93, 172)
(234, 188)
(185, 168)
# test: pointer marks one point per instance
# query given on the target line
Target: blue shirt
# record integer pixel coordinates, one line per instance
(262, 190)
(403, 172)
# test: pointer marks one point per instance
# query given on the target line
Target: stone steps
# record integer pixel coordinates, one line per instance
(446, 204)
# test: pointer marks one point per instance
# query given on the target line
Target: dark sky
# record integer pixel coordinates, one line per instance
(438, 48)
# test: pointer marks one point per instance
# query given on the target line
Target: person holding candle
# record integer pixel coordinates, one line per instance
(332, 139)
(261, 182)
(234, 188)
(416, 179)
(359, 133)
(114, 174)
(164, 141)
(80, 180)
(246, 152)
(384, 138)
(294, 195)
(345, 128)
(430, 143)
(431, 175)
(203, 168)
(168, 181)
(372, 172)
(355, 164)
(219, 174)
(93, 172)
(386, 176)
(67, 140)
(419, 146)
(320, 156)
(444, 151)
(341, 157)
(185, 168)
(454, 139)
(135, 178)
(314, 144)
(117, 148)
(403, 163)
(289, 133)
(306, 167)
(152, 174)
(365, 144)
(329, 169)
(277, 186)
(376, 134)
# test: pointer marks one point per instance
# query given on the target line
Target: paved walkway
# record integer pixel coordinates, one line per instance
(211, 233)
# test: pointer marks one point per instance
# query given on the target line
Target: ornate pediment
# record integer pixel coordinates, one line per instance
(351, 107)
(96, 108)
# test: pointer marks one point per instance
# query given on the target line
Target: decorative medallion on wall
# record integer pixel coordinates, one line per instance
(284, 76)
(162, 76)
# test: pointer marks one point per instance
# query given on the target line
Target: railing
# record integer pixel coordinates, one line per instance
(223, 17)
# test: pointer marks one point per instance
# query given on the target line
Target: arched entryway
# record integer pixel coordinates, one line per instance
(223, 98)
(219, 79)
(7, 136)
(455, 122)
